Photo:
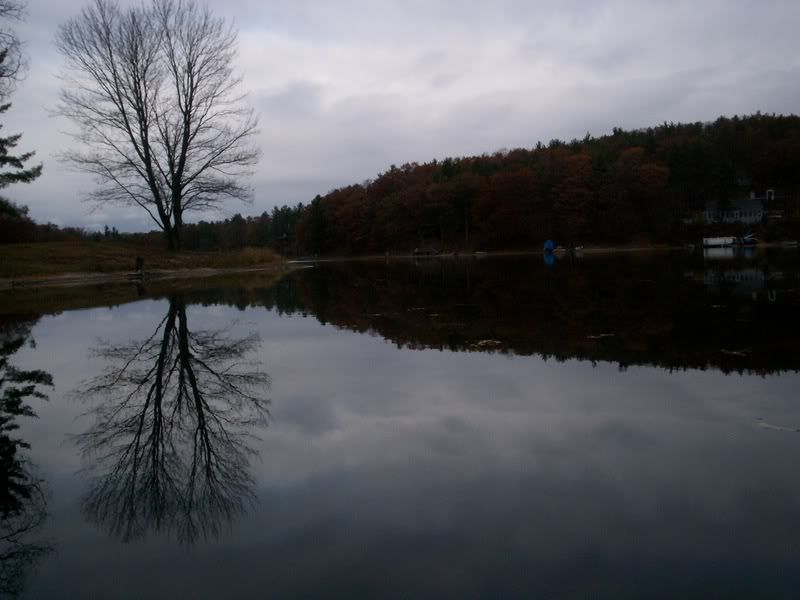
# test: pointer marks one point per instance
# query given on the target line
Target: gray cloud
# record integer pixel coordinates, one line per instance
(345, 89)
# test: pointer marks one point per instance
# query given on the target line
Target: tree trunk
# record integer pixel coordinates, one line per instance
(177, 227)
(168, 237)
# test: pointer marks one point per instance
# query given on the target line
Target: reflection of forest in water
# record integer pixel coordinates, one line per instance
(674, 311)
(23, 506)
(173, 413)
(671, 311)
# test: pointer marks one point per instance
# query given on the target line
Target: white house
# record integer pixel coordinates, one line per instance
(749, 211)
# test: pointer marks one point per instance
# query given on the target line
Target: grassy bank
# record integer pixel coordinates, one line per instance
(54, 299)
(58, 258)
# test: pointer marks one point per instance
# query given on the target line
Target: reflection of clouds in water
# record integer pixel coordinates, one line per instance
(214, 310)
(312, 416)
(434, 473)
(137, 316)
(517, 410)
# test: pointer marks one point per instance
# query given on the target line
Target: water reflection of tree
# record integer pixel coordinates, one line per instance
(23, 507)
(171, 440)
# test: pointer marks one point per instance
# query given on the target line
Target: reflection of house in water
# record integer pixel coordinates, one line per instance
(749, 211)
(746, 281)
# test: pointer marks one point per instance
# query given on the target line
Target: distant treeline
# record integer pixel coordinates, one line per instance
(642, 185)
(17, 227)
(275, 230)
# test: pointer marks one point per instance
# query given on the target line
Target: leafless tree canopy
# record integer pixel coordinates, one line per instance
(11, 59)
(154, 97)
(169, 446)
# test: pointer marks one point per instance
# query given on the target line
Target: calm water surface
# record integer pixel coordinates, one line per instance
(615, 427)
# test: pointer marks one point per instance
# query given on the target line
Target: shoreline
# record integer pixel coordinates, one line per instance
(590, 250)
(81, 291)
(78, 279)
(480, 254)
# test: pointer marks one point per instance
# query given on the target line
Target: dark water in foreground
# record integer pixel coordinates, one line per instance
(603, 428)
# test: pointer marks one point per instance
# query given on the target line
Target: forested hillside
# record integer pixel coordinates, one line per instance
(644, 184)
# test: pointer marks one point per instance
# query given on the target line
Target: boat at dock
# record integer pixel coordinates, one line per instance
(719, 242)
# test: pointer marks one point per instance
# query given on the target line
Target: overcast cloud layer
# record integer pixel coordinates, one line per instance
(344, 89)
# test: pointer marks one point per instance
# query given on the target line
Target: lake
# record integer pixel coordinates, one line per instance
(619, 426)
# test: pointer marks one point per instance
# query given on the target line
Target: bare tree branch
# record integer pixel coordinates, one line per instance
(12, 60)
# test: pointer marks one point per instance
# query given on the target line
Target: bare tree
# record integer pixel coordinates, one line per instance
(12, 61)
(154, 97)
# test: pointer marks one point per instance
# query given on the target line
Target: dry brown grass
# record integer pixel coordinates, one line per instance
(54, 299)
(57, 258)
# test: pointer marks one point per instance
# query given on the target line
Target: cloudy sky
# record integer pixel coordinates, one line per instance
(344, 89)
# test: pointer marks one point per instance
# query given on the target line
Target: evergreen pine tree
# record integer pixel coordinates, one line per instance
(12, 167)
(15, 225)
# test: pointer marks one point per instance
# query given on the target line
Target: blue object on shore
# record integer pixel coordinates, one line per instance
(549, 246)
